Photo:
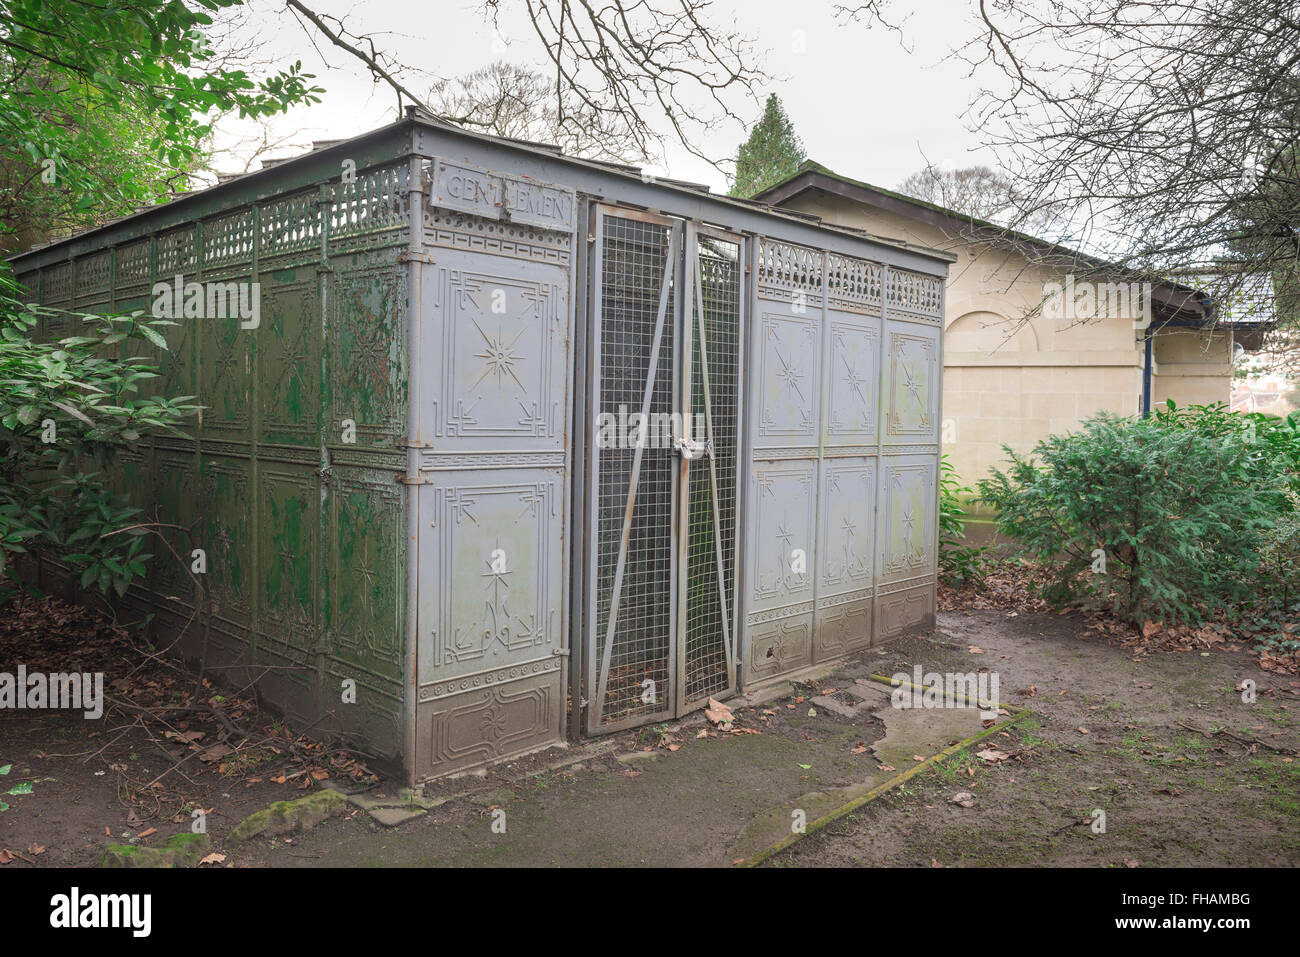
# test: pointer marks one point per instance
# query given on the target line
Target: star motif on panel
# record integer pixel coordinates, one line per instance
(855, 381)
(789, 375)
(368, 578)
(911, 384)
(499, 356)
(226, 359)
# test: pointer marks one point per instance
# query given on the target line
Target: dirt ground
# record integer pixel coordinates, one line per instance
(1174, 792)
(163, 748)
(1185, 771)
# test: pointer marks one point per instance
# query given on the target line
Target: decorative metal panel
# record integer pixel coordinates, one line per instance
(228, 539)
(907, 496)
(853, 380)
(289, 337)
(496, 595)
(366, 297)
(494, 406)
(784, 503)
(848, 510)
(911, 383)
(226, 377)
(844, 443)
(366, 572)
(502, 339)
(789, 357)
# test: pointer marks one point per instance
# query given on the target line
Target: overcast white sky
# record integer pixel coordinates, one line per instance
(862, 104)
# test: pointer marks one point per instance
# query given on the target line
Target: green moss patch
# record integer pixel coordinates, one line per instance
(288, 817)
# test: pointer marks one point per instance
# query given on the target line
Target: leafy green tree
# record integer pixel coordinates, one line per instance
(103, 106)
(771, 153)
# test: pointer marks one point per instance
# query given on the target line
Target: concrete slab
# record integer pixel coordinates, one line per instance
(717, 799)
(395, 816)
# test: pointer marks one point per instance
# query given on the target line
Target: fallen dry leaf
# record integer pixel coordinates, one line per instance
(213, 858)
(885, 767)
(34, 849)
(963, 798)
(187, 736)
(214, 752)
(6, 855)
(992, 755)
(719, 714)
(146, 833)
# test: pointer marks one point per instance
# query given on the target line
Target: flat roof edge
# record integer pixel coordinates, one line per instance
(400, 138)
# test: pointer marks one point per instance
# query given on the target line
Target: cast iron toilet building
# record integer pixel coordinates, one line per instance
(526, 447)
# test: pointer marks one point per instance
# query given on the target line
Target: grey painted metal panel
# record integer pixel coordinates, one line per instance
(494, 495)
(844, 456)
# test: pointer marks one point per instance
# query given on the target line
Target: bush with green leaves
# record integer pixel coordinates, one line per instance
(1160, 518)
(66, 408)
(959, 564)
(1277, 437)
(1279, 610)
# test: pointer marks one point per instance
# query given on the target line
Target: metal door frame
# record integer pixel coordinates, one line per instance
(693, 319)
(686, 298)
(591, 693)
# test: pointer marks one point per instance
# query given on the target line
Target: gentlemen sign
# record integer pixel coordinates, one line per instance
(511, 199)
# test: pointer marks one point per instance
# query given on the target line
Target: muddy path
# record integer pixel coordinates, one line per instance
(1113, 731)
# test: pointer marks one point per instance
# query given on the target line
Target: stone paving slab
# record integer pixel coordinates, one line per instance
(711, 800)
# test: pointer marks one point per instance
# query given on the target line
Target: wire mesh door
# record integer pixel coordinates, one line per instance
(711, 392)
(631, 665)
(665, 318)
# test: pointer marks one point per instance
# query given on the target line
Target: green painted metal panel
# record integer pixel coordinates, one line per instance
(303, 527)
